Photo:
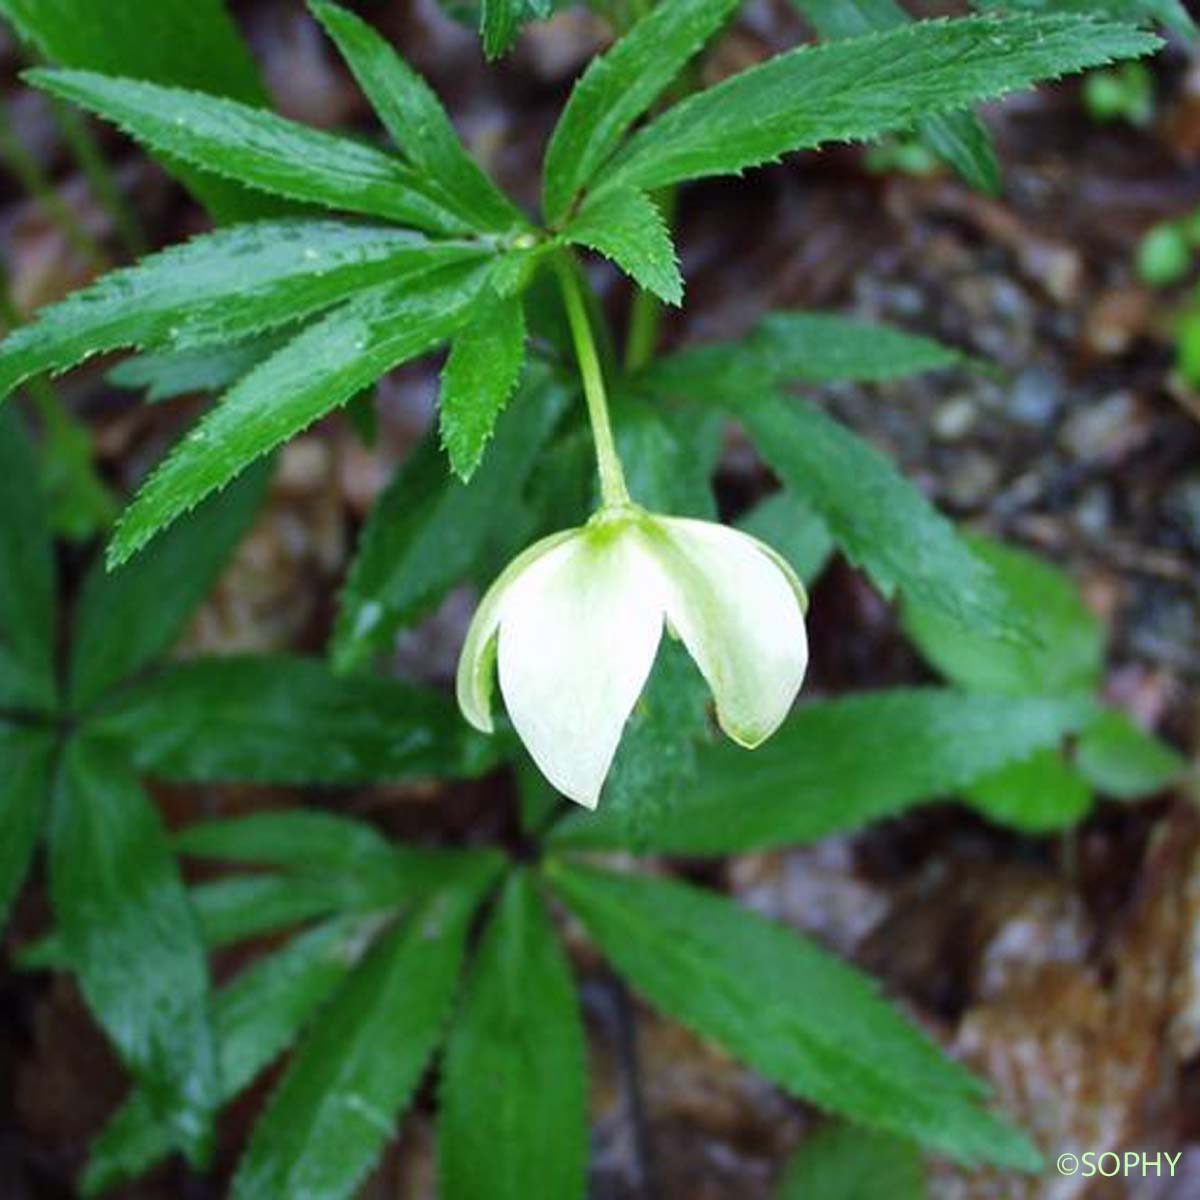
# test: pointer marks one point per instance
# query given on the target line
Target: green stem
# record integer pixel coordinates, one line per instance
(612, 478)
(78, 135)
(34, 180)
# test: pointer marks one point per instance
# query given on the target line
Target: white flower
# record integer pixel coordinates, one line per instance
(574, 624)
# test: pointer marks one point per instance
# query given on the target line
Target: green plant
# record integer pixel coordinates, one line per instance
(296, 314)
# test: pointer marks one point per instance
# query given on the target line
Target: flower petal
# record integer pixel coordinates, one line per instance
(578, 636)
(474, 681)
(741, 617)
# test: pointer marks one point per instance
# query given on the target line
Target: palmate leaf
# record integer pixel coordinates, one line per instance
(220, 288)
(427, 531)
(131, 936)
(323, 367)
(513, 1121)
(27, 600)
(482, 370)
(278, 719)
(960, 138)
(26, 763)
(188, 43)
(617, 88)
(838, 765)
(860, 88)
(1172, 14)
(879, 519)
(162, 587)
(500, 22)
(336, 1105)
(796, 1015)
(417, 122)
(843, 1162)
(259, 149)
(625, 225)
(256, 1017)
(1065, 654)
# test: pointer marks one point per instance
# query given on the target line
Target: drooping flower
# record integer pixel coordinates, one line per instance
(572, 627)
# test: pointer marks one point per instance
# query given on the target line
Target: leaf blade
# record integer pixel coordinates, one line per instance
(793, 1013)
(257, 148)
(836, 765)
(130, 934)
(257, 1015)
(163, 587)
(626, 226)
(27, 599)
(512, 1121)
(617, 88)
(26, 769)
(283, 719)
(321, 368)
(860, 88)
(335, 1106)
(418, 124)
(480, 375)
(220, 287)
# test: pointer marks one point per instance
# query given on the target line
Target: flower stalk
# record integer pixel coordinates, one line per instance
(613, 491)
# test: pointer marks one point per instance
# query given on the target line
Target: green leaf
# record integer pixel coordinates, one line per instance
(625, 225)
(256, 1017)
(617, 88)
(126, 619)
(1172, 14)
(797, 1016)
(26, 763)
(843, 1162)
(513, 1120)
(482, 370)
(427, 531)
(1122, 760)
(860, 88)
(258, 148)
(131, 935)
(189, 43)
(789, 525)
(417, 122)
(27, 599)
(168, 374)
(1038, 794)
(960, 138)
(879, 519)
(336, 1105)
(1065, 656)
(669, 455)
(218, 288)
(838, 765)
(302, 839)
(797, 347)
(500, 22)
(283, 720)
(322, 368)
